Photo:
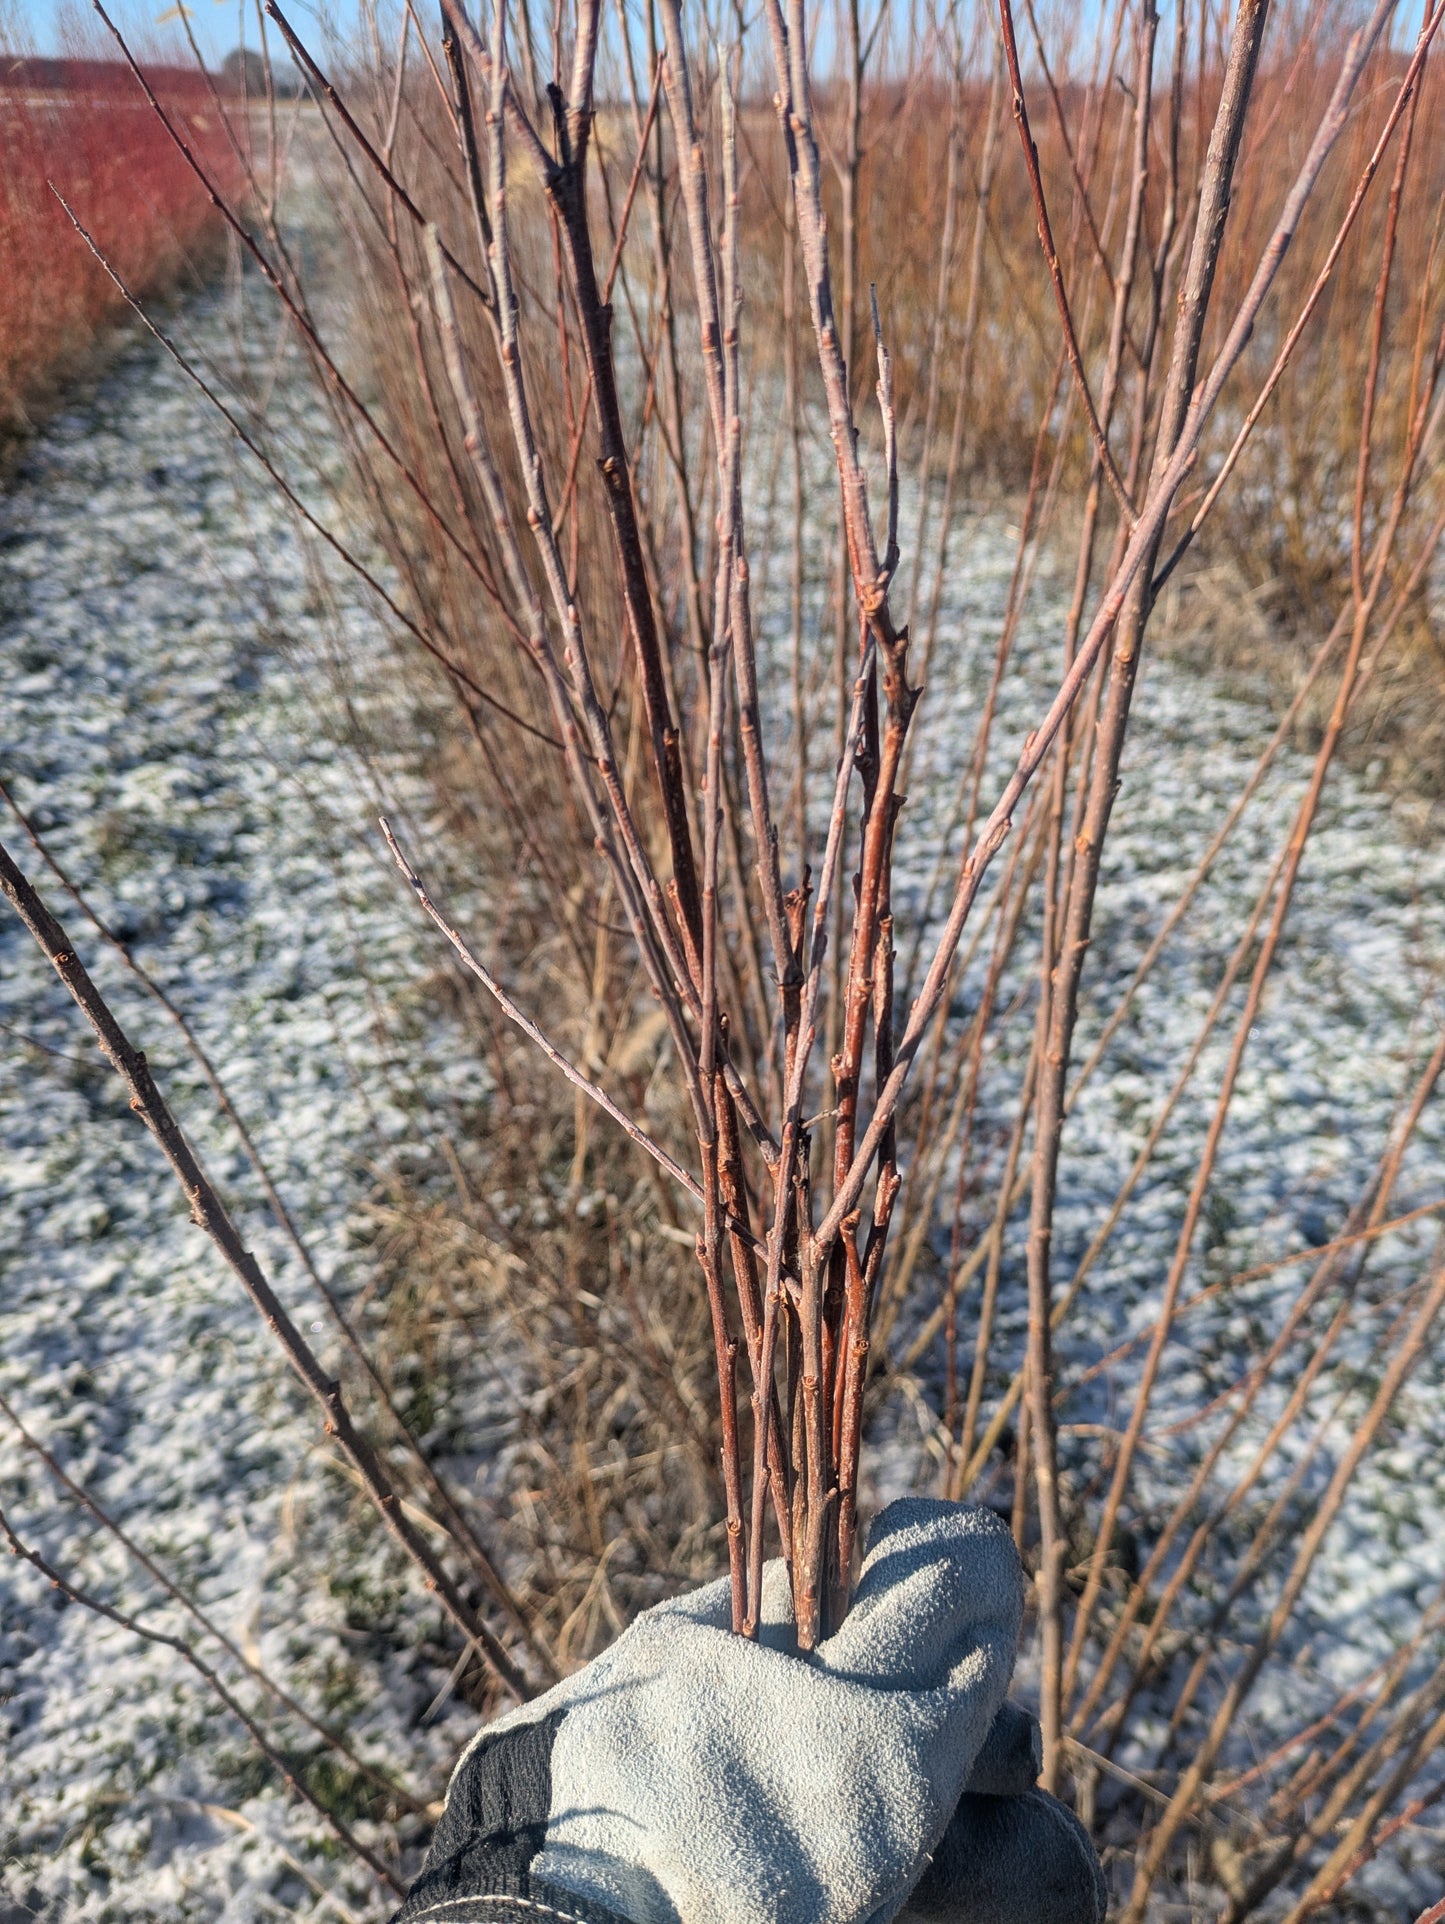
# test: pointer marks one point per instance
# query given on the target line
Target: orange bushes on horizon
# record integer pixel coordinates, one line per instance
(84, 126)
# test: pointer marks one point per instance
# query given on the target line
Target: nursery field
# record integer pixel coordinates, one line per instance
(80, 130)
(175, 729)
(757, 764)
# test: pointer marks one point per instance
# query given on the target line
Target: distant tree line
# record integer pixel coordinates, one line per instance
(244, 72)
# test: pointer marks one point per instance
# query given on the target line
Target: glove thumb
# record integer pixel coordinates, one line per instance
(1011, 1860)
(941, 1591)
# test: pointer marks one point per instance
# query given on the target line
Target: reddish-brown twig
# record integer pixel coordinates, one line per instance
(203, 1670)
(529, 1028)
(328, 1736)
(1051, 259)
(458, 1524)
(210, 1214)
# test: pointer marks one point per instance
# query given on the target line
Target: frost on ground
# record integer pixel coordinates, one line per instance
(1352, 1012)
(168, 681)
(171, 725)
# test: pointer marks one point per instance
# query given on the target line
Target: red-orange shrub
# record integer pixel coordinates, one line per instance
(85, 126)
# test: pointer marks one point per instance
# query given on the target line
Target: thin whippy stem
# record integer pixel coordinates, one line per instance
(595, 393)
(837, 1259)
(263, 1742)
(211, 1215)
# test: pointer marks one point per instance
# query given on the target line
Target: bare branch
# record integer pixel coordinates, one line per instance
(210, 1214)
(203, 1670)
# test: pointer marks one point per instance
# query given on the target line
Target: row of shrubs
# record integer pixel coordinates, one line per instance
(82, 130)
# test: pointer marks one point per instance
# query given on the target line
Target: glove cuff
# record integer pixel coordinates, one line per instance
(540, 1903)
(479, 1867)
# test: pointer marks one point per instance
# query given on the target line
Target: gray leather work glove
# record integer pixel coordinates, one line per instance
(688, 1776)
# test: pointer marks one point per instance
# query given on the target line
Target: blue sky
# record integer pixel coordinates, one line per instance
(49, 26)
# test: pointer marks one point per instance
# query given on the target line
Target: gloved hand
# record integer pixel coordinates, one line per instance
(688, 1776)
(1011, 1854)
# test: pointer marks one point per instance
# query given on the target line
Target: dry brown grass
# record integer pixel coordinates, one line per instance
(558, 1281)
(608, 1476)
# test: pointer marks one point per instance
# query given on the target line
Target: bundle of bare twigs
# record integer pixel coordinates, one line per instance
(560, 476)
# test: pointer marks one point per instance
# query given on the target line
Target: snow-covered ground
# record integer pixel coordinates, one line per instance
(169, 715)
(171, 723)
(1353, 1009)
